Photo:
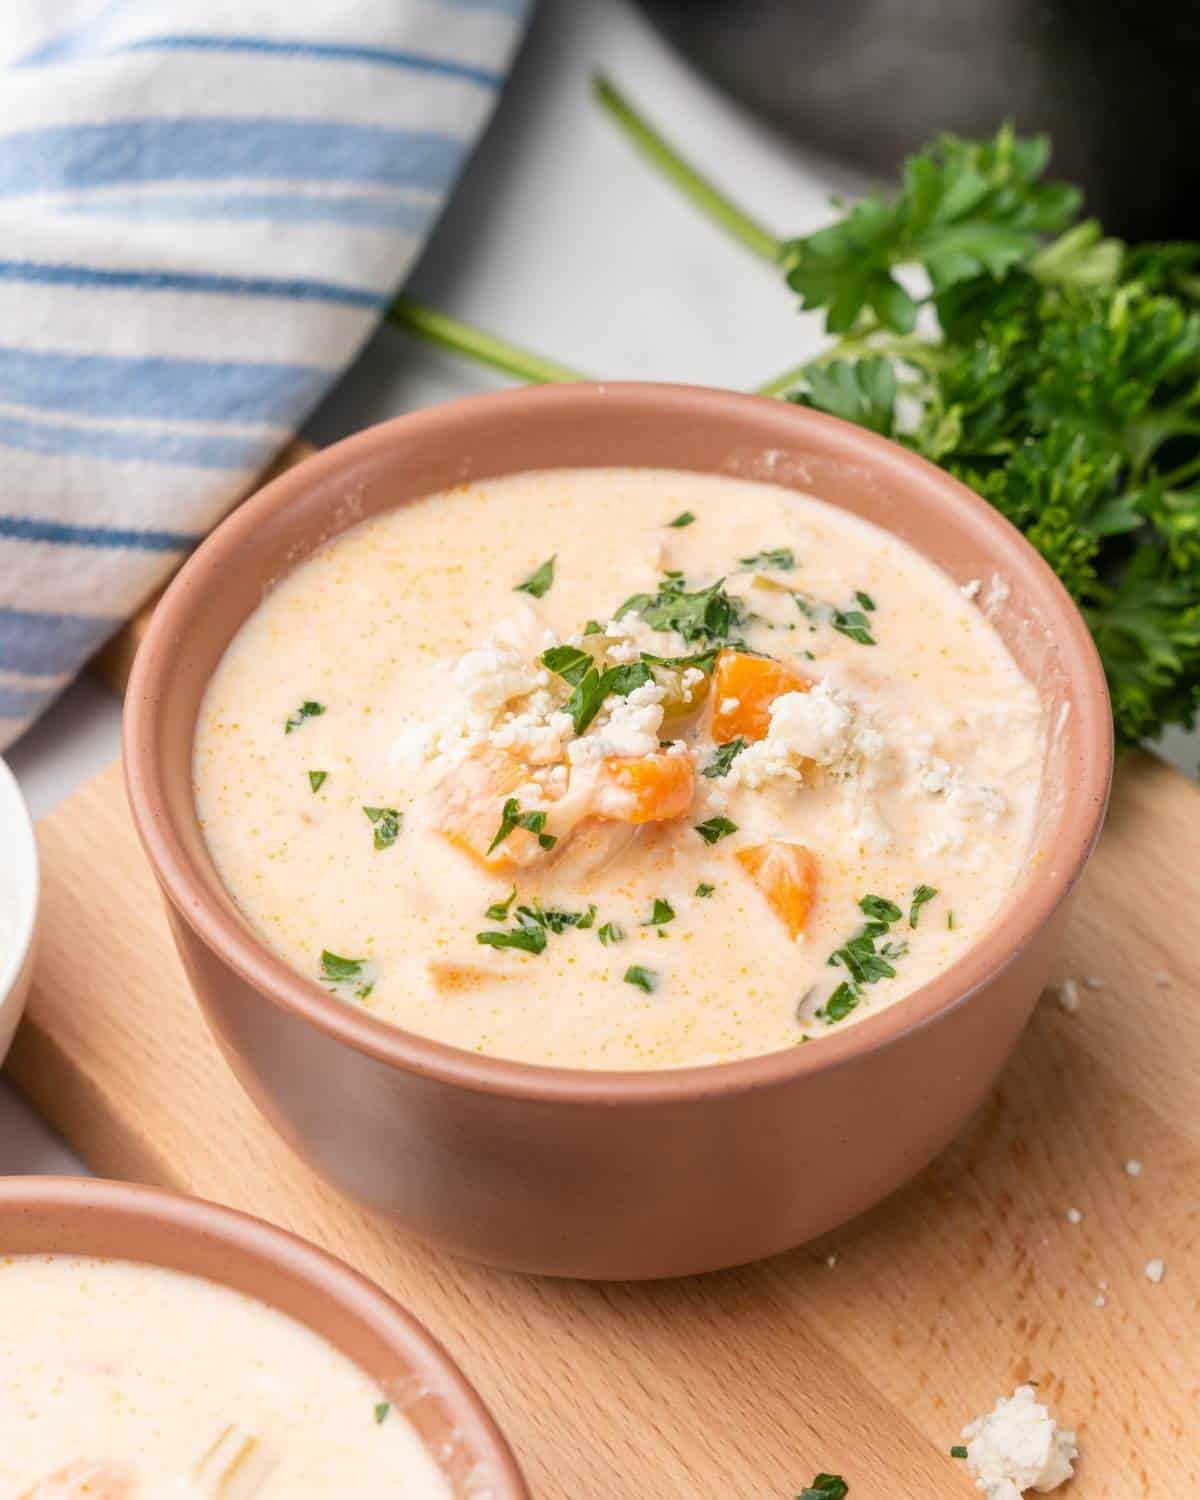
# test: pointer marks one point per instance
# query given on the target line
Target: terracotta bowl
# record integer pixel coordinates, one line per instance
(115, 1220)
(613, 1174)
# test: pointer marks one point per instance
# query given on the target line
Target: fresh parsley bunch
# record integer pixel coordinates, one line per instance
(983, 324)
(979, 320)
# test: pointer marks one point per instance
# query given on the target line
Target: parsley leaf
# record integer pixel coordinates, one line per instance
(958, 1451)
(920, 896)
(512, 817)
(316, 780)
(862, 959)
(854, 623)
(539, 581)
(337, 972)
(307, 710)
(529, 938)
(725, 756)
(611, 932)
(387, 823)
(594, 687)
(498, 911)
(381, 1411)
(712, 830)
(879, 909)
(568, 662)
(825, 1487)
(684, 518)
(643, 979)
(704, 616)
(781, 558)
(704, 889)
(663, 912)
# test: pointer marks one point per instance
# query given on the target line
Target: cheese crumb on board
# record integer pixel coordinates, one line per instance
(1018, 1446)
(1133, 1167)
(1074, 1216)
(1156, 1269)
(1068, 995)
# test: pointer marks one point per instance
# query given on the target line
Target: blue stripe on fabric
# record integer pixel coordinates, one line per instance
(362, 209)
(102, 385)
(35, 641)
(76, 41)
(205, 150)
(193, 450)
(26, 529)
(387, 57)
(191, 281)
(23, 702)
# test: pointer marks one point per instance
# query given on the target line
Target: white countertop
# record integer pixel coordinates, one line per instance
(563, 240)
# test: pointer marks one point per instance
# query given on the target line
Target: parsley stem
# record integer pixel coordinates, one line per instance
(703, 193)
(473, 343)
(783, 383)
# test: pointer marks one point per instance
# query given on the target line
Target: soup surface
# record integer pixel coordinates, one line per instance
(130, 1382)
(619, 768)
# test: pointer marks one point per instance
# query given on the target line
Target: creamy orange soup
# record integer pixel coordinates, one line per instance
(619, 768)
(129, 1382)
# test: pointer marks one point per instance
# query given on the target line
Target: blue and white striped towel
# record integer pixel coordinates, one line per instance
(205, 206)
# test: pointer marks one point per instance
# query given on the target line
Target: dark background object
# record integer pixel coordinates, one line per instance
(1113, 82)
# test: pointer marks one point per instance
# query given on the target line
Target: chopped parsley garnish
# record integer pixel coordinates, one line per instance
(705, 660)
(879, 909)
(704, 889)
(920, 896)
(684, 518)
(498, 911)
(712, 830)
(381, 1411)
(388, 823)
(663, 912)
(950, 920)
(568, 662)
(643, 979)
(825, 1487)
(538, 583)
(611, 932)
(594, 687)
(512, 817)
(864, 600)
(853, 623)
(705, 616)
(864, 957)
(316, 780)
(782, 558)
(529, 939)
(958, 1451)
(336, 970)
(593, 627)
(533, 923)
(724, 758)
(307, 710)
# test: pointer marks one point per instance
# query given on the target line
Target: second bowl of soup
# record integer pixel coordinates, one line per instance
(617, 830)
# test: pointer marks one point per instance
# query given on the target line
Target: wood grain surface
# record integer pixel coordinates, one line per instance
(741, 1386)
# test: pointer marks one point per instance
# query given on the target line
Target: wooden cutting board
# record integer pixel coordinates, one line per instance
(863, 1354)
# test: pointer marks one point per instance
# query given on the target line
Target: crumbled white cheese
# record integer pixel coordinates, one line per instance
(1068, 995)
(815, 726)
(626, 727)
(1156, 1269)
(1074, 1216)
(1093, 982)
(1100, 1300)
(831, 1261)
(1018, 1446)
(537, 735)
(491, 676)
(1133, 1167)
(730, 705)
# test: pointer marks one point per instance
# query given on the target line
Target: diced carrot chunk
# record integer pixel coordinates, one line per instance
(786, 874)
(744, 687)
(652, 789)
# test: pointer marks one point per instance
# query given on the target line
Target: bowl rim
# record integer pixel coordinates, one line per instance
(329, 1278)
(21, 853)
(232, 941)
